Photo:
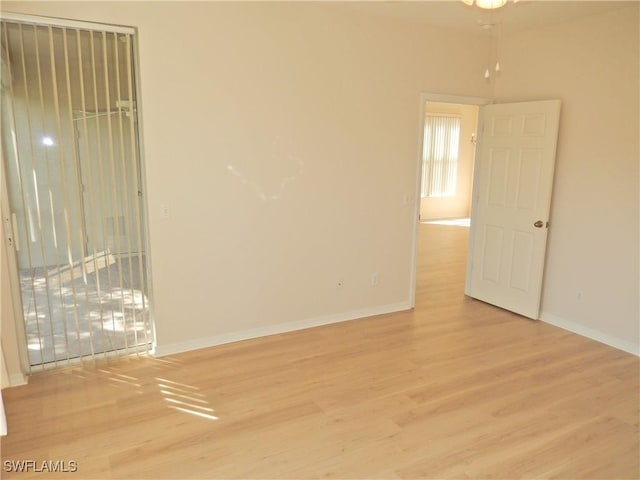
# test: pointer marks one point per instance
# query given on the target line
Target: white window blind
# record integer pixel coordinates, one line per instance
(440, 155)
(71, 152)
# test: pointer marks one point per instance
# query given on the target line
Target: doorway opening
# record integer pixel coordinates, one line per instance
(74, 216)
(453, 209)
(510, 204)
(448, 156)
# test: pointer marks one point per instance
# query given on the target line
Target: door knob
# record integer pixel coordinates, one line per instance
(539, 224)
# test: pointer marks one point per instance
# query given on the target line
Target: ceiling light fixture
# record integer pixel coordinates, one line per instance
(493, 40)
(487, 4)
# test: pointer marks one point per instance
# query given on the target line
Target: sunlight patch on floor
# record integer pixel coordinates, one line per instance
(456, 222)
(185, 398)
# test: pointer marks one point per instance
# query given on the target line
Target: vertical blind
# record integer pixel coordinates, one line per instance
(440, 155)
(70, 148)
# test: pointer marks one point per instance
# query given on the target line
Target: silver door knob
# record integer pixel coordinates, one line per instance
(539, 224)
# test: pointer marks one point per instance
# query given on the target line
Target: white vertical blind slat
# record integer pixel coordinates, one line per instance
(115, 204)
(64, 195)
(19, 174)
(89, 219)
(37, 238)
(28, 225)
(100, 191)
(133, 141)
(50, 196)
(125, 185)
(75, 196)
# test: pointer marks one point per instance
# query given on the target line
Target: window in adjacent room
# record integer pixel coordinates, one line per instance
(440, 155)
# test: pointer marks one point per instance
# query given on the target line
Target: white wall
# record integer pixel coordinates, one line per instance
(591, 280)
(283, 137)
(458, 205)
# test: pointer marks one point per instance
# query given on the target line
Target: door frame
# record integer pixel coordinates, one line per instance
(442, 98)
(15, 291)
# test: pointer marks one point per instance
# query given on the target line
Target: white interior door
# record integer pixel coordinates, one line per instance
(512, 195)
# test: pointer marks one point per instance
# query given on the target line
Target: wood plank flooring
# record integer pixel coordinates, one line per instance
(453, 389)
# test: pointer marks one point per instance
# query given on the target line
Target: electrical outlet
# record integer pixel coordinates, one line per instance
(375, 279)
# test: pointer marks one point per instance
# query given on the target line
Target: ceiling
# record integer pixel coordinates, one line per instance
(523, 15)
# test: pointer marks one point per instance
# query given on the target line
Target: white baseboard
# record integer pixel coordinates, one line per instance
(16, 380)
(162, 350)
(596, 335)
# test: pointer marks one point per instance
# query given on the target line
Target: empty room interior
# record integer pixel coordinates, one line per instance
(292, 240)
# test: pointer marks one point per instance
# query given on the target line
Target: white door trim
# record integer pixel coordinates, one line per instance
(14, 288)
(430, 97)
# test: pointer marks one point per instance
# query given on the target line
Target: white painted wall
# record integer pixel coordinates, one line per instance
(458, 205)
(283, 137)
(591, 280)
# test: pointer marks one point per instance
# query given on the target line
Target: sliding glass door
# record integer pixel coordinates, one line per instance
(71, 156)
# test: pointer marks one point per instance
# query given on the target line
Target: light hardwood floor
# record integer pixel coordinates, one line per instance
(454, 389)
